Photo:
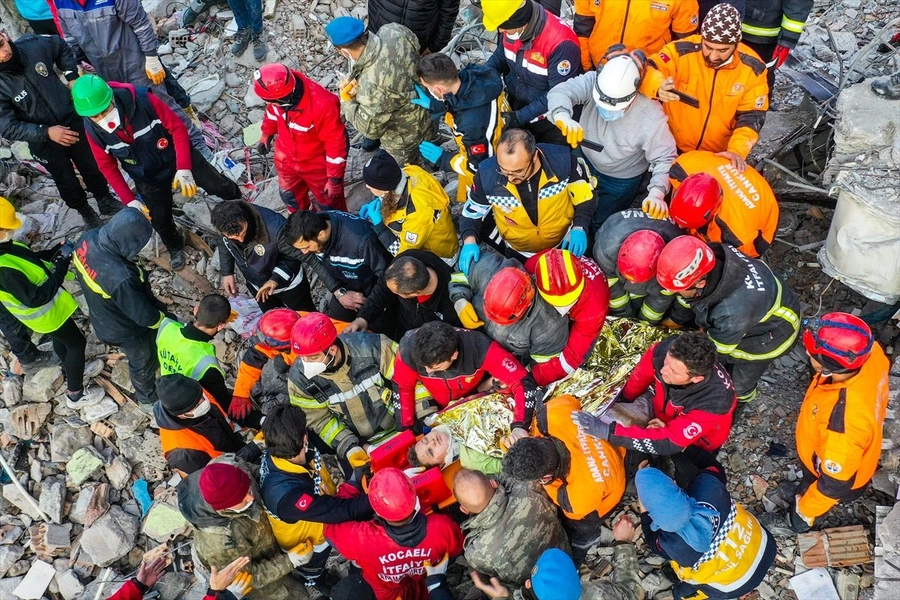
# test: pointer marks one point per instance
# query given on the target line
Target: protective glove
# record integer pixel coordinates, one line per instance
(435, 574)
(413, 471)
(510, 120)
(240, 587)
(154, 69)
(423, 99)
(575, 242)
(240, 407)
(136, 203)
(467, 315)
(280, 365)
(348, 92)
(591, 425)
(468, 254)
(300, 554)
(262, 148)
(655, 204)
(185, 180)
(779, 56)
(570, 128)
(372, 212)
(334, 189)
(431, 152)
(357, 457)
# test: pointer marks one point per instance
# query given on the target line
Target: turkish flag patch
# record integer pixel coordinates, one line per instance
(162, 143)
(304, 502)
(664, 57)
(478, 149)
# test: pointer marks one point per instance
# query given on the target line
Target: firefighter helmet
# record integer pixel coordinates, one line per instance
(274, 329)
(639, 254)
(683, 262)
(392, 495)
(313, 333)
(273, 82)
(839, 341)
(696, 201)
(508, 296)
(559, 277)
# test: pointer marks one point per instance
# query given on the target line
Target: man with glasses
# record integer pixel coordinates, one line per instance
(539, 197)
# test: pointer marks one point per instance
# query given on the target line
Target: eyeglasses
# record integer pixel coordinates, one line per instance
(522, 173)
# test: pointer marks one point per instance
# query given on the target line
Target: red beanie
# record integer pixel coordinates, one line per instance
(223, 486)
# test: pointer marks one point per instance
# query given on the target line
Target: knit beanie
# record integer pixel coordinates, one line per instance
(554, 576)
(223, 485)
(178, 393)
(520, 18)
(382, 172)
(722, 25)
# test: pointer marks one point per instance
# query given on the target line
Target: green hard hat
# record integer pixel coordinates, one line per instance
(91, 95)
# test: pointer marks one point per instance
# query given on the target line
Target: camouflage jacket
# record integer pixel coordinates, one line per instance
(507, 537)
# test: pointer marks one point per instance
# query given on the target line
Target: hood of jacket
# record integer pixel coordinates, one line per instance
(491, 515)
(14, 64)
(125, 234)
(479, 85)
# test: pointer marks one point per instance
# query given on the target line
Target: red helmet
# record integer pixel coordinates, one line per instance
(392, 495)
(508, 296)
(273, 81)
(696, 201)
(840, 342)
(274, 329)
(638, 255)
(683, 262)
(559, 277)
(312, 334)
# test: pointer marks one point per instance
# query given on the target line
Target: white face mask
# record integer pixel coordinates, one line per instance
(112, 121)
(242, 509)
(199, 410)
(564, 310)
(311, 369)
(514, 36)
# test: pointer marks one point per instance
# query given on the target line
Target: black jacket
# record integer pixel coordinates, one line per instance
(430, 20)
(212, 426)
(15, 282)
(258, 257)
(32, 98)
(414, 314)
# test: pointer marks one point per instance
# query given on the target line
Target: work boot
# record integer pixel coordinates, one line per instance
(108, 205)
(176, 259)
(88, 396)
(786, 523)
(260, 47)
(887, 87)
(90, 218)
(241, 41)
(42, 360)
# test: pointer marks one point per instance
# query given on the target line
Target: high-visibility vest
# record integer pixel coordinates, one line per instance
(179, 355)
(48, 317)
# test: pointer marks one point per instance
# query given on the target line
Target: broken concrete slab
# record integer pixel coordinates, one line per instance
(98, 504)
(129, 420)
(111, 537)
(8, 557)
(888, 530)
(11, 387)
(164, 523)
(12, 493)
(97, 412)
(70, 587)
(65, 440)
(119, 472)
(53, 497)
(36, 581)
(41, 387)
(85, 463)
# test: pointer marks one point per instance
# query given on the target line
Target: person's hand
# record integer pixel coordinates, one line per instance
(570, 128)
(368, 211)
(348, 90)
(438, 569)
(664, 93)
(357, 324)
(154, 69)
(184, 179)
(352, 300)
(357, 457)
(422, 98)
(62, 135)
(654, 205)
(300, 554)
(467, 315)
(137, 204)
(151, 572)
(514, 436)
(220, 579)
(623, 530)
(267, 289)
(334, 189)
(240, 587)
(737, 161)
(240, 407)
(655, 424)
(468, 255)
(779, 56)
(431, 152)
(575, 242)
(229, 286)
(510, 120)
(262, 148)
(494, 589)
(591, 425)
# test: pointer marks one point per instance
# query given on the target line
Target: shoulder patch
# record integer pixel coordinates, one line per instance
(304, 502)
(691, 431)
(831, 467)
(411, 237)
(564, 67)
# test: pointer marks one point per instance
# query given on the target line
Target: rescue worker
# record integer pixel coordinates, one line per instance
(310, 140)
(344, 252)
(538, 195)
(535, 52)
(453, 363)
(418, 283)
(472, 103)
(502, 294)
(717, 203)
(577, 288)
(124, 311)
(194, 428)
(411, 210)
(717, 548)
(840, 427)
(221, 502)
(342, 384)
(726, 79)
(693, 403)
(250, 241)
(248, 16)
(36, 108)
(391, 549)
(744, 308)
(772, 30)
(583, 475)
(31, 292)
(120, 43)
(627, 249)
(130, 128)
(431, 21)
(646, 26)
(299, 494)
(375, 95)
(509, 525)
(439, 448)
(630, 127)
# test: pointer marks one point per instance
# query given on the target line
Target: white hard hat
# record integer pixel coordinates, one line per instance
(617, 83)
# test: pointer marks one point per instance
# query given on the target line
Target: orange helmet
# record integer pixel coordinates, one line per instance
(312, 334)
(638, 255)
(508, 296)
(274, 329)
(683, 262)
(696, 201)
(559, 277)
(839, 341)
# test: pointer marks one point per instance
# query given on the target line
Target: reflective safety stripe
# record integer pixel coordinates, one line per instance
(459, 277)
(335, 161)
(356, 390)
(761, 31)
(92, 285)
(331, 430)
(792, 25)
(565, 365)
(650, 314)
(459, 163)
(542, 358)
(748, 397)
(683, 302)
(632, 296)
(611, 281)
(207, 362)
(782, 312)
(619, 301)
(25, 313)
(723, 348)
(146, 130)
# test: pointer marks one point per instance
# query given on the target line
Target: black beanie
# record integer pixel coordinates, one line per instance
(178, 393)
(519, 18)
(382, 172)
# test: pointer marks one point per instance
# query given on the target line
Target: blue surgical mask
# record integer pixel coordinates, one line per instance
(610, 115)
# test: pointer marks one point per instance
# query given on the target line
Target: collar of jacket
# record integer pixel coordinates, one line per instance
(488, 518)
(256, 225)
(565, 460)
(369, 55)
(548, 175)
(535, 24)
(283, 464)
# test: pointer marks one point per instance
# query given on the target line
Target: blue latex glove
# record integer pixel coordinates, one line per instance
(470, 253)
(575, 242)
(366, 209)
(142, 495)
(431, 152)
(424, 100)
(375, 212)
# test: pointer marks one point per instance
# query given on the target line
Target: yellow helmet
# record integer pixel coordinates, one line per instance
(498, 11)
(8, 218)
